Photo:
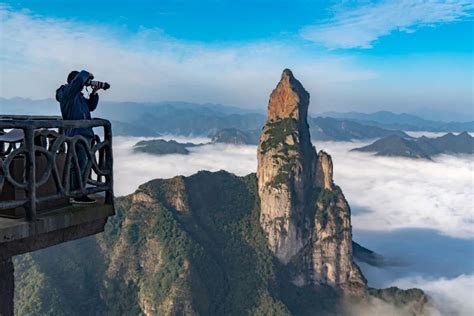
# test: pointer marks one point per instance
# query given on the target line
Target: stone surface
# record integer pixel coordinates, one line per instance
(19, 236)
(332, 258)
(303, 213)
(289, 99)
(286, 168)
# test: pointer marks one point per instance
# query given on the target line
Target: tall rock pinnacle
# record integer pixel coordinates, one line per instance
(303, 213)
(285, 168)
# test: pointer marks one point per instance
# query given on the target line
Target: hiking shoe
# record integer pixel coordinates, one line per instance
(82, 200)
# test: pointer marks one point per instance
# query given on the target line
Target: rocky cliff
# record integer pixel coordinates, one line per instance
(175, 247)
(302, 212)
(286, 166)
(332, 255)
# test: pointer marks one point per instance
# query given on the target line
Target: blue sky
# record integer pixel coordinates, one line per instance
(406, 55)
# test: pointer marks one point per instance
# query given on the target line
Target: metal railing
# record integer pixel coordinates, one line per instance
(44, 136)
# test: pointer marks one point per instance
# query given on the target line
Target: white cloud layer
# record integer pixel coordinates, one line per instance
(361, 26)
(132, 169)
(384, 193)
(453, 296)
(396, 193)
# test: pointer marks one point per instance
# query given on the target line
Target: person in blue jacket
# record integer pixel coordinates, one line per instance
(75, 106)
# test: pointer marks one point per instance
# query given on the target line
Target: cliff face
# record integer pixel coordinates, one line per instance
(332, 255)
(176, 247)
(286, 168)
(300, 205)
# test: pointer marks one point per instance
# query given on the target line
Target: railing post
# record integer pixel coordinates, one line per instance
(30, 173)
(109, 162)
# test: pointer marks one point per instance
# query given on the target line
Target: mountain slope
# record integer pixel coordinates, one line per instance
(236, 136)
(402, 121)
(327, 128)
(228, 124)
(422, 147)
(186, 245)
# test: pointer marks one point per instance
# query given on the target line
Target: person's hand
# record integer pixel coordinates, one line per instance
(95, 89)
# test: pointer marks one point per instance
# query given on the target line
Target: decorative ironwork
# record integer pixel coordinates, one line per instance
(44, 137)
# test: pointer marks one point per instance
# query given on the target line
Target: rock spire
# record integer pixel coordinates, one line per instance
(286, 168)
(303, 213)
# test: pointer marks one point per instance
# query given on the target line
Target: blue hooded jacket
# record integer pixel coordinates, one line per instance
(74, 106)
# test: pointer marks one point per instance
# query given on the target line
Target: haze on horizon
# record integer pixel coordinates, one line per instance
(409, 56)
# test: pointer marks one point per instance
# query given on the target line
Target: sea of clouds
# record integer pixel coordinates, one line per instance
(132, 169)
(385, 193)
(392, 193)
(416, 213)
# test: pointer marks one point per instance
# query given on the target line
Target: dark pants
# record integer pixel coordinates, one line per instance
(82, 159)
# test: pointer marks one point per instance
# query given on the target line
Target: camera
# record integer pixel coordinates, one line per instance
(97, 84)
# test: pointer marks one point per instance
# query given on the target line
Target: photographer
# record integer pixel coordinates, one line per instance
(75, 106)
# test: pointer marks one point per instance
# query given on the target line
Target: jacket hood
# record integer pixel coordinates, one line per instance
(59, 93)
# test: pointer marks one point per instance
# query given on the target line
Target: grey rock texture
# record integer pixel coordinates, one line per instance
(332, 256)
(286, 168)
(303, 213)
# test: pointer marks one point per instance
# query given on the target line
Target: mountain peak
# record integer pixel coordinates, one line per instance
(289, 99)
(304, 215)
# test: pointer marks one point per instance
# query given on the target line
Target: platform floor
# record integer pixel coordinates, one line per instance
(19, 236)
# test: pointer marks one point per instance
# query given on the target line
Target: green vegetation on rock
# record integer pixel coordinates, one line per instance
(277, 133)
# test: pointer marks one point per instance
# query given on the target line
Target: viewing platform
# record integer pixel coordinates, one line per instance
(40, 173)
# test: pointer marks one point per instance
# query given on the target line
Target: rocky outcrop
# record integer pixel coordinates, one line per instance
(332, 260)
(301, 208)
(286, 168)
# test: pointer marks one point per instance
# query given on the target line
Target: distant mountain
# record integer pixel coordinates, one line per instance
(422, 147)
(321, 128)
(384, 117)
(132, 111)
(128, 129)
(121, 111)
(402, 121)
(184, 118)
(162, 147)
(327, 128)
(236, 136)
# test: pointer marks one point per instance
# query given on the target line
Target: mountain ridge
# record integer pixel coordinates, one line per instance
(177, 117)
(423, 147)
(403, 121)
